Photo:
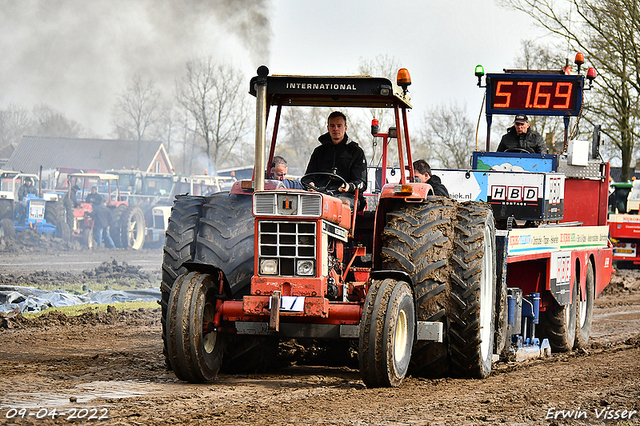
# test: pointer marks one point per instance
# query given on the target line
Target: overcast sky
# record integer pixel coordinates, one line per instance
(77, 56)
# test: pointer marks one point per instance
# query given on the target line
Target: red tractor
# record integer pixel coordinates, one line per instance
(414, 283)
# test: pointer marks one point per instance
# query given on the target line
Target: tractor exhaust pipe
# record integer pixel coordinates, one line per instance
(261, 127)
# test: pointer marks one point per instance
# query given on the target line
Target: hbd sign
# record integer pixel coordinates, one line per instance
(521, 194)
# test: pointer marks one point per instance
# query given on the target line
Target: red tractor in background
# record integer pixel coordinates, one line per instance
(417, 284)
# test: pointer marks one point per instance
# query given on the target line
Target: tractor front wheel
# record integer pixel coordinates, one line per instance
(386, 333)
(132, 228)
(194, 347)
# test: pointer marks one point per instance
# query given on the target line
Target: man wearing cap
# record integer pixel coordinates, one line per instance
(521, 137)
(26, 188)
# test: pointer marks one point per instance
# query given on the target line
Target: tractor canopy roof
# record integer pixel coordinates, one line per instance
(332, 91)
(101, 176)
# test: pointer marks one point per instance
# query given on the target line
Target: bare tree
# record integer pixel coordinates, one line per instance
(298, 134)
(380, 66)
(48, 122)
(215, 96)
(15, 121)
(137, 110)
(608, 33)
(445, 137)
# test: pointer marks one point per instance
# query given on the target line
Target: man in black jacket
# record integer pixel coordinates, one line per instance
(521, 136)
(340, 155)
(102, 219)
(422, 171)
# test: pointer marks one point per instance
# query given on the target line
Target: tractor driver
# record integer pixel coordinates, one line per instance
(340, 155)
(26, 188)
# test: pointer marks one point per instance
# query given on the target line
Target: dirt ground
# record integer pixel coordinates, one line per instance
(108, 368)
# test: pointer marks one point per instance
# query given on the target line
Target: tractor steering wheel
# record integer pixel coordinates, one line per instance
(334, 182)
(524, 150)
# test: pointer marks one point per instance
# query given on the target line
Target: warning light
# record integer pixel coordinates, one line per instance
(375, 126)
(403, 79)
(479, 74)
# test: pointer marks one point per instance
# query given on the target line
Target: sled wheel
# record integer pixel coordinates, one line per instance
(559, 325)
(194, 348)
(584, 309)
(386, 333)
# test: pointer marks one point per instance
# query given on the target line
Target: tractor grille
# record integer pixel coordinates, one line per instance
(282, 203)
(287, 248)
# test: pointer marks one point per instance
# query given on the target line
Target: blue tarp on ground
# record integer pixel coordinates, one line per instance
(31, 299)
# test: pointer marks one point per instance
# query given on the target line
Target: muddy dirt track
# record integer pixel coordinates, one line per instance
(111, 365)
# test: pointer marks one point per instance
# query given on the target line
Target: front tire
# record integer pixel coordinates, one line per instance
(387, 330)
(132, 228)
(195, 349)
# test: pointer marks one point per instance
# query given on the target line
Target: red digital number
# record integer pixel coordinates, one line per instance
(566, 95)
(505, 94)
(529, 84)
(546, 97)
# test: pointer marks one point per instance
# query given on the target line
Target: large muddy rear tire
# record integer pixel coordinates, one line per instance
(417, 240)
(387, 330)
(226, 239)
(473, 282)
(179, 248)
(195, 349)
(584, 309)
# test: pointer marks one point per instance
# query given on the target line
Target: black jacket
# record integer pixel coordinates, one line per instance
(531, 141)
(345, 159)
(438, 187)
(101, 215)
(26, 189)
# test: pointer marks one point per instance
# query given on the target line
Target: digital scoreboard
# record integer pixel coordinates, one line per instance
(535, 94)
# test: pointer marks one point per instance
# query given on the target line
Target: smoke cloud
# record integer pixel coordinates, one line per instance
(77, 56)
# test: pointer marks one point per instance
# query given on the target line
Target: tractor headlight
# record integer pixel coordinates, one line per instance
(268, 266)
(305, 267)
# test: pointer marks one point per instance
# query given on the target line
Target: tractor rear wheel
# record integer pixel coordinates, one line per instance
(7, 230)
(6, 209)
(584, 309)
(195, 348)
(559, 325)
(132, 228)
(226, 239)
(387, 330)
(179, 248)
(472, 295)
(417, 240)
